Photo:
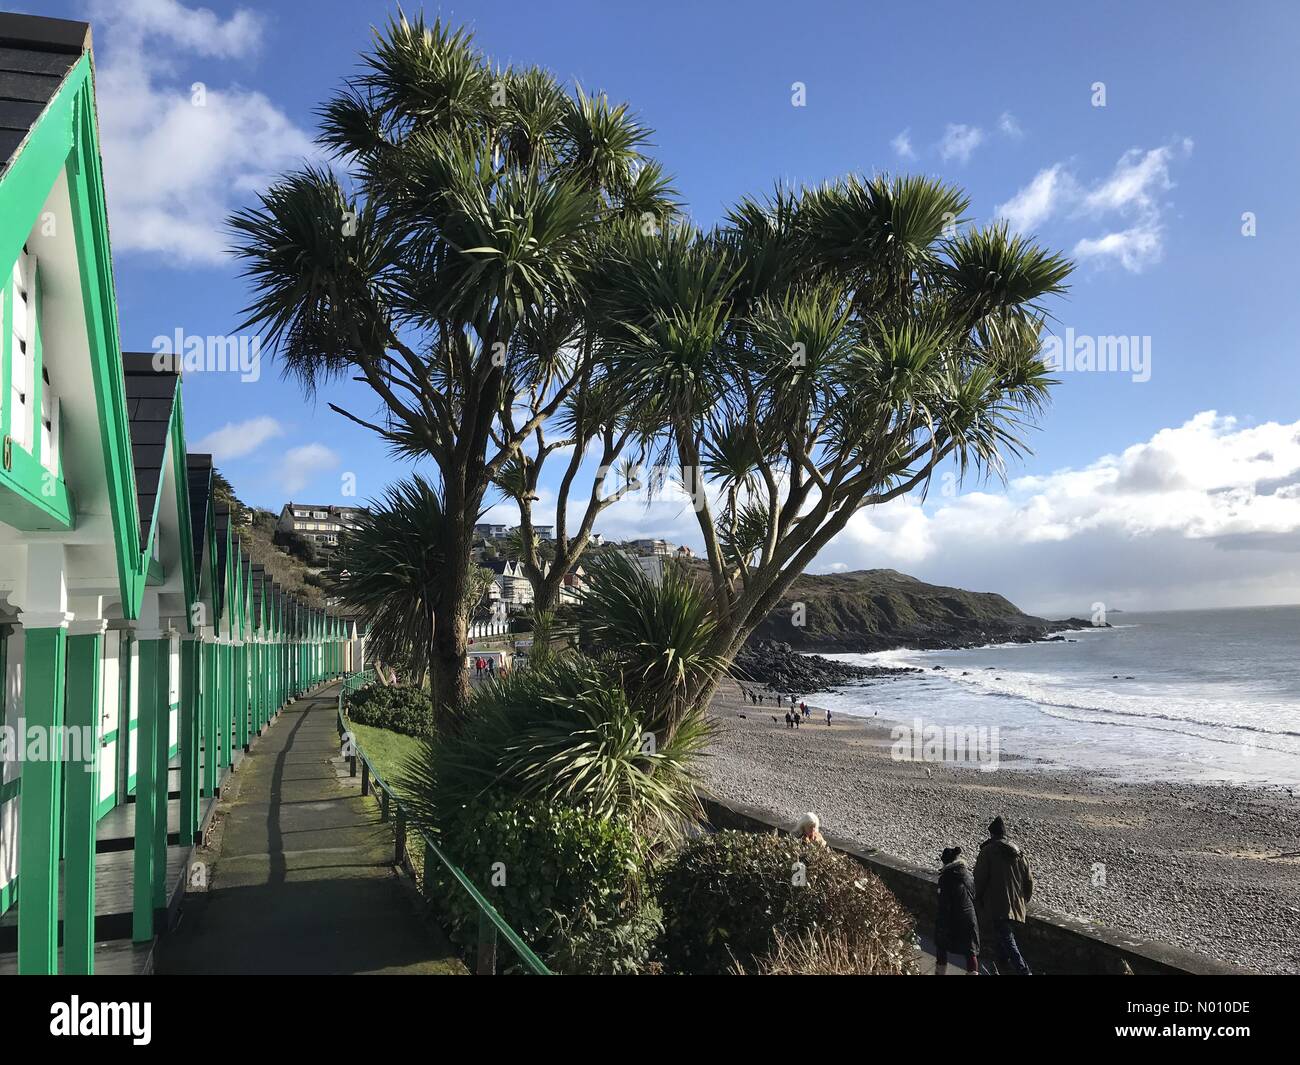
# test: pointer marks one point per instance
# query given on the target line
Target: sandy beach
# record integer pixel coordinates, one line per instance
(1188, 864)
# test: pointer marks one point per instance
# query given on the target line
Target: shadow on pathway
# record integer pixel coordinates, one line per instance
(303, 881)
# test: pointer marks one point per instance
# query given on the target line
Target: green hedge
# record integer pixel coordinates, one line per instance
(545, 868)
(725, 898)
(397, 708)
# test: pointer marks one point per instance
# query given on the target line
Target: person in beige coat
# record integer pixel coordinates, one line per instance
(1004, 884)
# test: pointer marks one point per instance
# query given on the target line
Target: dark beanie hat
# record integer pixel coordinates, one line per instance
(998, 827)
(949, 854)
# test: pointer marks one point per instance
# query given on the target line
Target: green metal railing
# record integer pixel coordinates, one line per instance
(490, 922)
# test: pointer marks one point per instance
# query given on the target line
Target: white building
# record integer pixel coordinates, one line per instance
(317, 523)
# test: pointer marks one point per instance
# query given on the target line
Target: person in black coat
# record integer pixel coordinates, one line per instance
(956, 929)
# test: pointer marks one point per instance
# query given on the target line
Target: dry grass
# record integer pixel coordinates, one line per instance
(818, 953)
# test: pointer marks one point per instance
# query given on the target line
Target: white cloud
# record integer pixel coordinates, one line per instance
(197, 30)
(236, 439)
(1204, 514)
(1133, 195)
(300, 464)
(959, 141)
(174, 166)
(1135, 249)
(1136, 181)
(1200, 515)
(1010, 126)
(903, 145)
(1038, 200)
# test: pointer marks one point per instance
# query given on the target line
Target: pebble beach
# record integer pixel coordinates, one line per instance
(1213, 869)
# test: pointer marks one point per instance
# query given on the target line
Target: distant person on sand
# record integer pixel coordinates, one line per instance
(795, 717)
(1003, 887)
(828, 718)
(789, 720)
(956, 931)
(803, 708)
(809, 829)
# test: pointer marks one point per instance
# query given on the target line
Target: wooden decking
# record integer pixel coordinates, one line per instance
(116, 829)
(113, 897)
(114, 958)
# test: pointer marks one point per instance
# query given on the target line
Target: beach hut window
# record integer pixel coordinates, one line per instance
(49, 425)
(20, 367)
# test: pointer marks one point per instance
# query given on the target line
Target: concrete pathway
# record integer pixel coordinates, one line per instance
(299, 870)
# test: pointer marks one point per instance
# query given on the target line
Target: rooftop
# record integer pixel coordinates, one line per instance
(150, 396)
(36, 54)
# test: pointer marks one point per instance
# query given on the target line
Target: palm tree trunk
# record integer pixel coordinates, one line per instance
(546, 594)
(448, 668)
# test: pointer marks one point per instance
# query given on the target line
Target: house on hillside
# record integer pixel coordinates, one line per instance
(653, 548)
(514, 590)
(574, 585)
(319, 524)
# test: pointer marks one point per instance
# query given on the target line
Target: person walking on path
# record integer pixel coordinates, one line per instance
(956, 929)
(1004, 885)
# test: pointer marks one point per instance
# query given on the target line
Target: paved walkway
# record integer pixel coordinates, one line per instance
(299, 869)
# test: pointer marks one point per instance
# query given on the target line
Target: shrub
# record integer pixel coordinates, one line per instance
(727, 897)
(562, 867)
(561, 731)
(398, 708)
(622, 948)
(657, 630)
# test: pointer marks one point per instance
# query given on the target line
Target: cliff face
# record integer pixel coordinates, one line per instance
(880, 609)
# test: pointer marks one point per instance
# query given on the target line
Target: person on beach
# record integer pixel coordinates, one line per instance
(809, 829)
(803, 709)
(1004, 885)
(795, 718)
(956, 930)
(828, 719)
(789, 721)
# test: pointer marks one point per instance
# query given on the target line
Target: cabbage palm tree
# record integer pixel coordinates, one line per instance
(562, 731)
(822, 352)
(656, 633)
(383, 569)
(472, 200)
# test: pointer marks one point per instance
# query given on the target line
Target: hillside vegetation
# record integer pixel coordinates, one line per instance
(880, 609)
(257, 539)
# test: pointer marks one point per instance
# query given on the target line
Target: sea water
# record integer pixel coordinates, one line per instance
(1210, 695)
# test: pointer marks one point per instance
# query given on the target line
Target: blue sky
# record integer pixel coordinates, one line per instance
(1136, 495)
